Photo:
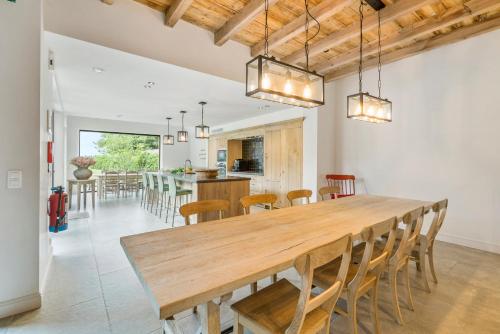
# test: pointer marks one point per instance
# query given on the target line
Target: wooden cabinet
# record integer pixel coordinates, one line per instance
(282, 157)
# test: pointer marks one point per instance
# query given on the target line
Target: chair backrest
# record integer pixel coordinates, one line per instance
(298, 194)
(153, 180)
(248, 201)
(111, 178)
(346, 183)
(368, 263)
(413, 222)
(131, 177)
(172, 186)
(161, 184)
(194, 208)
(305, 266)
(145, 180)
(439, 209)
(332, 192)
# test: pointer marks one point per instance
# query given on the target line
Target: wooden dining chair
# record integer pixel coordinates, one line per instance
(413, 222)
(329, 192)
(346, 183)
(111, 183)
(299, 194)
(363, 276)
(195, 208)
(425, 243)
(258, 199)
(284, 308)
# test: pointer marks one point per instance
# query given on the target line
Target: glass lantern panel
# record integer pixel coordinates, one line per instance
(168, 140)
(369, 108)
(182, 136)
(202, 131)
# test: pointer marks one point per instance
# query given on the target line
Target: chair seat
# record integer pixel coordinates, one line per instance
(272, 309)
(326, 275)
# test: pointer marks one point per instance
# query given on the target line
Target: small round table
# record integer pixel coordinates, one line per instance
(79, 184)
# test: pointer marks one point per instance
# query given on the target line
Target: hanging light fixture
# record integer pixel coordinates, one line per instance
(182, 136)
(202, 131)
(363, 106)
(168, 139)
(273, 80)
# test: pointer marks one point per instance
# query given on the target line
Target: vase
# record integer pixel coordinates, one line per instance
(82, 173)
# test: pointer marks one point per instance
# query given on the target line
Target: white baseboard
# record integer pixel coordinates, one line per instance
(19, 305)
(472, 243)
(43, 281)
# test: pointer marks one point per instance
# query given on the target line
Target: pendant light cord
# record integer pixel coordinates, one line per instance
(182, 121)
(168, 127)
(379, 57)
(306, 26)
(202, 123)
(266, 29)
(361, 17)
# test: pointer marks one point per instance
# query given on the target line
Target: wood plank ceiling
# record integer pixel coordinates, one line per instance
(408, 27)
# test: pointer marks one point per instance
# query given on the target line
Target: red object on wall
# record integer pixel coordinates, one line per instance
(57, 211)
(344, 182)
(50, 157)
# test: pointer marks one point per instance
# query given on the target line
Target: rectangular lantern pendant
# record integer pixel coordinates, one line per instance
(368, 108)
(270, 79)
(168, 140)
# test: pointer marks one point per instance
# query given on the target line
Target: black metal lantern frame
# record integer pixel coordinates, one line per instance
(202, 131)
(182, 136)
(168, 139)
(270, 79)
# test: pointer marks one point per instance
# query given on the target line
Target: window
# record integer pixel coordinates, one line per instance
(121, 151)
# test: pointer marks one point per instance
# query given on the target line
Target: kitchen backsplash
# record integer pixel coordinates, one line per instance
(253, 151)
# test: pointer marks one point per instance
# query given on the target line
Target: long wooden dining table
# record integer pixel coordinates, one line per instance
(192, 265)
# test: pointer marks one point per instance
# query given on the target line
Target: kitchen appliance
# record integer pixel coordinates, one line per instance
(240, 165)
(222, 161)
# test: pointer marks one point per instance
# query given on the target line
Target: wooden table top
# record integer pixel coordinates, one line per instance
(190, 265)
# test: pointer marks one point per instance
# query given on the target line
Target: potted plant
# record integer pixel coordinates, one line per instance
(82, 171)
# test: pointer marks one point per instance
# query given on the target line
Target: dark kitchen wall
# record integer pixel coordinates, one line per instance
(253, 151)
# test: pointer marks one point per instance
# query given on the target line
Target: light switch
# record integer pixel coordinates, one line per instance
(14, 179)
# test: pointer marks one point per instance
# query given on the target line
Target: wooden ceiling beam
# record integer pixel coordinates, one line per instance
(295, 27)
(450, 17)
(175, 11)
(387, 14)
(422, 46)
(246, 15)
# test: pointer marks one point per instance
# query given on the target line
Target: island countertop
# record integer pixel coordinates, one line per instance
(193, 178)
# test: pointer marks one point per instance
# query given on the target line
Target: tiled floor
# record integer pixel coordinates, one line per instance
(92, 289)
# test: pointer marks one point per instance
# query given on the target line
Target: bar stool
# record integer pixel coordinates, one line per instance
(153, 190)
(162, 190)
(145, 189)
(174, 192)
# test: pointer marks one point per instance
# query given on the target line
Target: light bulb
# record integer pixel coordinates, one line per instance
(288, 84)
(307, 91)
(358, 109)
(371, 111)
(266, 81)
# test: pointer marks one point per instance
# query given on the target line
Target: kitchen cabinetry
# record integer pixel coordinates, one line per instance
(282, 157)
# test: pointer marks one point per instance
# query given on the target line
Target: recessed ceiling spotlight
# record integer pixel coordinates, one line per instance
(149, 84)
(97, 69)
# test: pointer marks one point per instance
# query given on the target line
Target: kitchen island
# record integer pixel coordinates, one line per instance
(230, 188)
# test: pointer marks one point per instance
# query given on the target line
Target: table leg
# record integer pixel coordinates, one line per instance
(210, 318)
(170, 327)
(84, 196)
(70, 194)
(93, 195)
(78, 193)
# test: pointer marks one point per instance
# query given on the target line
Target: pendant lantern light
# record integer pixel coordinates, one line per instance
(363, 106)
(168, 139)
(202, 131)
(182, 136)
(273, 80)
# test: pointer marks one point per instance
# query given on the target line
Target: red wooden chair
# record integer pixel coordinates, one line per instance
(344, 182)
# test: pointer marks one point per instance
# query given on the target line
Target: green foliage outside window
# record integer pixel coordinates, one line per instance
(123, 152)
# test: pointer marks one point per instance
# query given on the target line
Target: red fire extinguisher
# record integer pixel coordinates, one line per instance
(57, 210)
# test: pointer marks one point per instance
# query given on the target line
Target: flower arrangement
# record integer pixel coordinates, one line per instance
(82, 162)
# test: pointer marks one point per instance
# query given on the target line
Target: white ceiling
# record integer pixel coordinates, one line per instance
(119, 92)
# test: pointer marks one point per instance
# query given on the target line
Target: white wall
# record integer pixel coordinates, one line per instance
(171, 156)
(443, 141)
(198, 151)
(310, 138)
(20, 29)
(135, 28)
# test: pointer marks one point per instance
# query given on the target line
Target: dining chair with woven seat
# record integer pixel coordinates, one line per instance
(299, 195)
(363, 276)
(284, 308)
(268, 200)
